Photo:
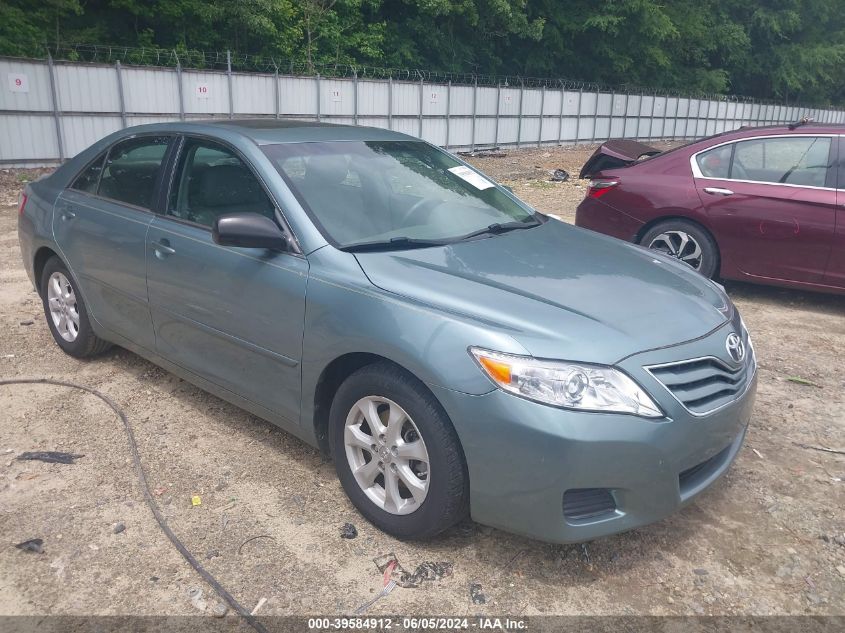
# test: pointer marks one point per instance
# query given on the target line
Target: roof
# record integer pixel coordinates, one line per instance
(267, 131)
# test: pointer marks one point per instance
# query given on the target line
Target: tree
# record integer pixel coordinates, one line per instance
(783, 49)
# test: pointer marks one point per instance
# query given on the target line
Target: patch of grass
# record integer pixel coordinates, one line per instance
(542, 184)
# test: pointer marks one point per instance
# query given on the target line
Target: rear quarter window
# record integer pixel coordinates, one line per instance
(89, 179)
(716, 162)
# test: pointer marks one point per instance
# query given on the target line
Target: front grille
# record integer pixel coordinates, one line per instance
(704, 384)
(587, 503)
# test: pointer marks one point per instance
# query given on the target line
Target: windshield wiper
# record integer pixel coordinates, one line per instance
(394, 243)
(496, 228)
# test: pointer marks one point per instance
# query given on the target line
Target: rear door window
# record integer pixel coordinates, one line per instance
(131, 170)
(798, 160)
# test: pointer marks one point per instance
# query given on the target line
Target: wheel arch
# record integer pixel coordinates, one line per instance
(330, 379)
(42, 256)
(645, 228)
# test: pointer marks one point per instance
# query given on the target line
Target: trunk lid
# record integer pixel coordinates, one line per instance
(617, 152)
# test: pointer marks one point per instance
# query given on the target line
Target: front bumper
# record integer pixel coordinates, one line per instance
(523, 456)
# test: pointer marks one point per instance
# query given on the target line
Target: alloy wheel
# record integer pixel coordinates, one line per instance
(64, 310)
(680, 245)
(387, 455)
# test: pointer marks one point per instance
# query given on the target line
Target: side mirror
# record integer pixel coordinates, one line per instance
(249, 230)
(508, 187)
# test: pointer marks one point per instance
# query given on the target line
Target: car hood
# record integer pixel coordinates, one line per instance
(560, 291)
(617, 152)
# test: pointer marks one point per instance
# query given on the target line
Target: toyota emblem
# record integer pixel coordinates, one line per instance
(735, 347)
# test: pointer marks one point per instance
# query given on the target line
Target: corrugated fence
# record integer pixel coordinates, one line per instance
(49, 110)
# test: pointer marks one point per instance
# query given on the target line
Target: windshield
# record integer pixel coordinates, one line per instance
(397, 193)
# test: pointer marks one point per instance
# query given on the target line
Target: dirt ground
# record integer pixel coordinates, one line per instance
(769, 538)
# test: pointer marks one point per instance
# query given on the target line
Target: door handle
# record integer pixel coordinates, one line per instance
(162, 249)
(68, 214)
(718, 191)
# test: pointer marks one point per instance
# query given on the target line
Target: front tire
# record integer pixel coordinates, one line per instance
(396, 453)
(685, 241)
(66, 314)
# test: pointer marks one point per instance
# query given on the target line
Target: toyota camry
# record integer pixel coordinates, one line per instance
(454, 351)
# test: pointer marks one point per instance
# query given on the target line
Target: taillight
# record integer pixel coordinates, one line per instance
(600, 187)
(22, 203)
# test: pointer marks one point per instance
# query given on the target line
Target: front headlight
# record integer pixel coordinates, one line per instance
(580, 386)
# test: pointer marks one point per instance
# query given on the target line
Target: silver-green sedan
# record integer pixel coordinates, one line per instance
(455, 351)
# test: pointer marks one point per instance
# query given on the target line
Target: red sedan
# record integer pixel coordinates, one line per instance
(763, 204)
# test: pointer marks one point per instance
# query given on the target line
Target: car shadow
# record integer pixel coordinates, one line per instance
(507, 554)
(774, 295)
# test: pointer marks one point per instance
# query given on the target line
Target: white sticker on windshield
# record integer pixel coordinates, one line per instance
(476, 180)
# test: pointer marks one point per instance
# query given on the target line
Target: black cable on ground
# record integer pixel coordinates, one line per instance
(148, 497)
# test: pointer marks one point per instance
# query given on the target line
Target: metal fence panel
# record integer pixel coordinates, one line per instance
(460, 133)
(461, 100)
(434, 103)
(205, 92)
(338, 98)
(51, 110)
(27, 138)
(152, 91)
(373, 100)
(77, 131)
(406, 99)
(86, 88)
(254, 94)
(26, 86)
(298, 95)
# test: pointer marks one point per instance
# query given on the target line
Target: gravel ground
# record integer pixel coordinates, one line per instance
(769, 538)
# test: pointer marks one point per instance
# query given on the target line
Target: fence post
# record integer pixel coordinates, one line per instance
(519, 116)
(560, 118)
(665, 112)
(577, 120)
(625, 115)
(675, 117)
(277, 92)
(640, 114)
(612, 108)
(229, 81)
(319, 95)
(595, 115)
(498, 105)
(542, 106)
(474, 103)
(56, 112)
(448, 109)
(120, 94)
(651, 118)
(355, 96)
(390, 102)
(422, 101)
(179, 90)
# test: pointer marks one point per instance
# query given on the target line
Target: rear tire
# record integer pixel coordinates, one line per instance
(386, 425)
(66, 314)
(686, 241)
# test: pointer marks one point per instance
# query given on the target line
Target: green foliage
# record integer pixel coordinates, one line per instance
(780, 49)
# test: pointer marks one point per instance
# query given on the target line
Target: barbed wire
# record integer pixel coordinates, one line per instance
(244, 62)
